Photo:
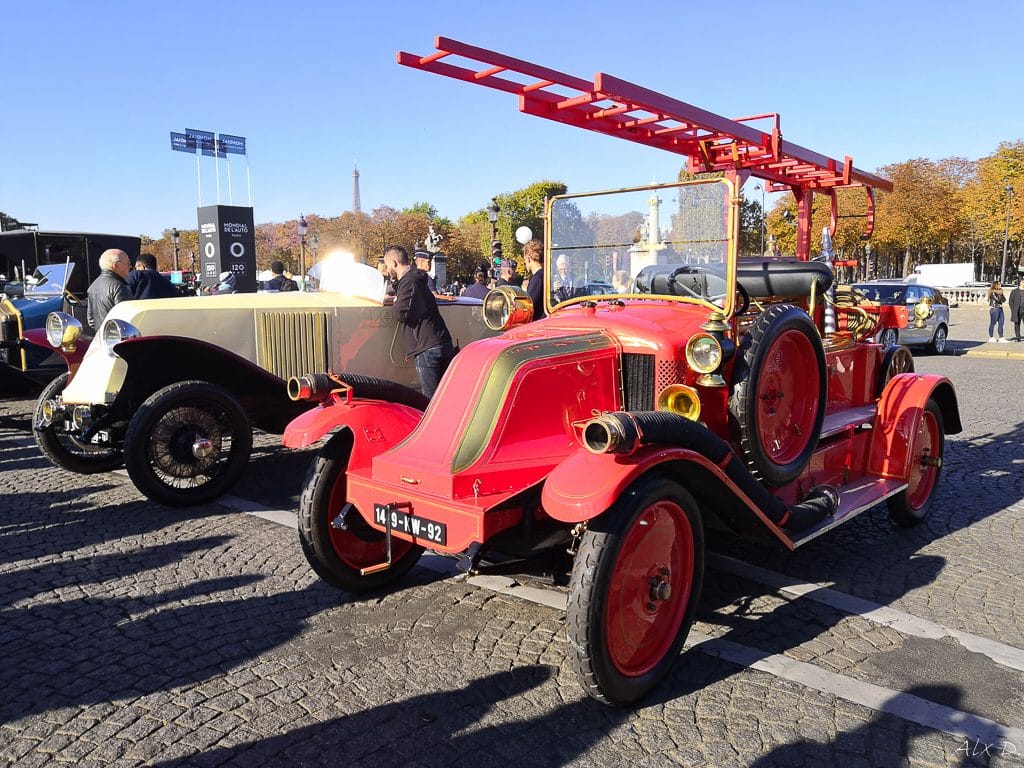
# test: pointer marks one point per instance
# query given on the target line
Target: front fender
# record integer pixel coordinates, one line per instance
(37, 336)
(371, 422)
(571, 496)
(156, 361)
(899, 415)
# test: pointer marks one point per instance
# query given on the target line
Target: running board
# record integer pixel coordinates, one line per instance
(857, 417)
(859, 496)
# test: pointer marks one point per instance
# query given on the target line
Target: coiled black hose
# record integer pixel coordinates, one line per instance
(318, 386)
(622, 431)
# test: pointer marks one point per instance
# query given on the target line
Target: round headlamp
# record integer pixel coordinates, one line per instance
(114, 332)
(703, 353)
(506, 307)
(62, 330)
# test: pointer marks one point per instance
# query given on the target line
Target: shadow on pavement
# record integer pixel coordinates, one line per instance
(479, 724)
(887, 738)
(87, 650)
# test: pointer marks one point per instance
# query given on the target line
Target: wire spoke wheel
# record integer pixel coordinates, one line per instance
(187, 444)
(636, 581)
(64, 448)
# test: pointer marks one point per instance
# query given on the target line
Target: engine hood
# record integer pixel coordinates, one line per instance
(509, 408)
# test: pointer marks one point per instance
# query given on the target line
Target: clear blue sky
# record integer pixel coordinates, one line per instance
(92, 89)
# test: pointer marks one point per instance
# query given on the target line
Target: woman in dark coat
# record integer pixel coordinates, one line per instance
(996, 299)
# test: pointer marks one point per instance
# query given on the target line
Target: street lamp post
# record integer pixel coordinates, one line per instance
(303, 227)
(175, 239)
(762, 217)
(492, 217)
(1006, 237)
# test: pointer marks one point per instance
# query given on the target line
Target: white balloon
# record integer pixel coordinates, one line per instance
(524, 235)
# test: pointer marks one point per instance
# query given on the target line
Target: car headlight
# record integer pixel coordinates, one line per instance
(703, 353)
(507, 307)
(114, 332)
(62, 330)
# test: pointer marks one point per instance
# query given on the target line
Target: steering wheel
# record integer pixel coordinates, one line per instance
(718, 299)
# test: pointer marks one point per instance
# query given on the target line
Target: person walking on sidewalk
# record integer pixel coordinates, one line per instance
(1017, 308)
(996, 299)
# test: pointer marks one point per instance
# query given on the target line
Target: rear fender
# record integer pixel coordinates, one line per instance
(570, 494)
(375, 426)
(899, 415)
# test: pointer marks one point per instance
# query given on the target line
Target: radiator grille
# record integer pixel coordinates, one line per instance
(292, 343)
(638, 381)
(670, 372)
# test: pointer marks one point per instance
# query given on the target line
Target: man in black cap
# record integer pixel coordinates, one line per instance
(425, 334)
(422, 259)
(506, 269)
(479, 287)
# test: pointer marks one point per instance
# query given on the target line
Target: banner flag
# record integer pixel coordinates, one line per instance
(180, 143)
(203, 139)
(232, 145)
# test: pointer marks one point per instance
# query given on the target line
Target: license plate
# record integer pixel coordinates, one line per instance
(411, 525)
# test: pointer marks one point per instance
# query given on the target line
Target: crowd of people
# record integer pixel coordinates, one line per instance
(117, 282)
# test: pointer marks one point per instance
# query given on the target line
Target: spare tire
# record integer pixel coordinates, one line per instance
(778, 402)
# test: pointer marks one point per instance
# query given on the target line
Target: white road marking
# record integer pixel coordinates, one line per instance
(903, 705)
(875, 697)
(908, 624)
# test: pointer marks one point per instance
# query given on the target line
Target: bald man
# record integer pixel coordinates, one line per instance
(110, 287)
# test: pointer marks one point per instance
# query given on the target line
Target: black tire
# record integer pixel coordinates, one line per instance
(911, 506)
(336, 556)
(159, 443)
(65, 450)
(889, 337)
(778, 407)
(896, 360)
(620, 661)
(937, 345)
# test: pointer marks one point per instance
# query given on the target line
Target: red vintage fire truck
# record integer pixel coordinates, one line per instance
(708, 390)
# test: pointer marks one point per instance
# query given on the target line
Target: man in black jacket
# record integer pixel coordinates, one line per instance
(146, 282)
(109, 288)
(279, 282)
(1016, 303)
(424, 333)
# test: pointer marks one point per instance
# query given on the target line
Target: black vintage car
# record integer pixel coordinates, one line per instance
(42, 272)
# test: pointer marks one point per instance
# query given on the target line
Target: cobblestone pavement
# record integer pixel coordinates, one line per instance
(132, 634)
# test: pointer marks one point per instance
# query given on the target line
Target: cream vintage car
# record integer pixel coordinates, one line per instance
(172, 388)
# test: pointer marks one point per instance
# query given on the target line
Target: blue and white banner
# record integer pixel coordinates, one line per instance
(181, 143)
(204, 140)
(232, 145)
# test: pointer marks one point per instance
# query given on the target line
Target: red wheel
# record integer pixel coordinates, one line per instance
(779, 399)
(337, 555)
(635, 584)
(787, 396)
(913, 505)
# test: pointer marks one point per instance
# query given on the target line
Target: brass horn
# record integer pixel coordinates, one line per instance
(680, 399)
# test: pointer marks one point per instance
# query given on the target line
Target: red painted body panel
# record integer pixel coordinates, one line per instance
(852, 373)
(371, 422)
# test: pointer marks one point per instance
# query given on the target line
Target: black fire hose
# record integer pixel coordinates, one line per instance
(318, 386)
(622, 431)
